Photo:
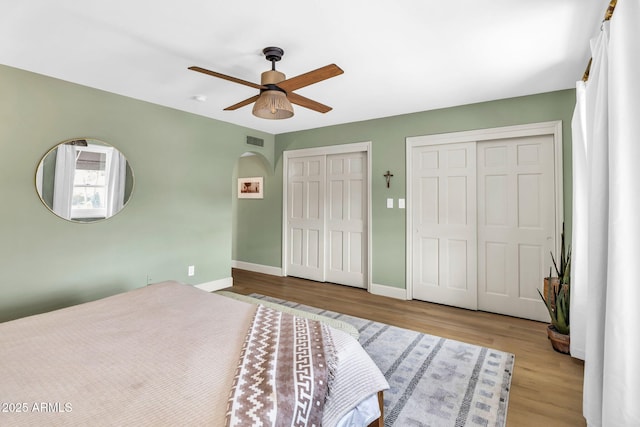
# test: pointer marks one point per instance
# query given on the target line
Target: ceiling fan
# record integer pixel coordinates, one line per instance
(276, 91)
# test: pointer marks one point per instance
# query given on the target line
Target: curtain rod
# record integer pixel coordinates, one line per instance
(607, 16)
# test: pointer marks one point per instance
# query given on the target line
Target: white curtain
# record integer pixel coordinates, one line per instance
(117, 169)
(579, 224)
(606, 267)
(63, 179)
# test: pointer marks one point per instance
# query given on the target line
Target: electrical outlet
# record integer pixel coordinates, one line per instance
(149, 279)
(192, 270)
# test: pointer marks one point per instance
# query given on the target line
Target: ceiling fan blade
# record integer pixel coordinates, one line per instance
(225, 77)
(294, 98)
(310, 78)
(242, 103)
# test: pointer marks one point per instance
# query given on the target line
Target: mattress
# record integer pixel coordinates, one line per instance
(164, 354)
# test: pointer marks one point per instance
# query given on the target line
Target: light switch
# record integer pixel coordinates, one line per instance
(401, 203)
(390, 203)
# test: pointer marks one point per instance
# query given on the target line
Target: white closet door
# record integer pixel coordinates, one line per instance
(305, 217)
(444, 253)
(516, 224)
(346, 219)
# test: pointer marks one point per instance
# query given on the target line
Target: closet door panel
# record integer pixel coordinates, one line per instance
(346, 221)
(305, 217)
(444, 253)
(516, 223)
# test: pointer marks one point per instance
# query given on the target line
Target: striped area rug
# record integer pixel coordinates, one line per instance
(434, 381)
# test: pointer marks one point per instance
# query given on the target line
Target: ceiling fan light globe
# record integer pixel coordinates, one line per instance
(273, 105)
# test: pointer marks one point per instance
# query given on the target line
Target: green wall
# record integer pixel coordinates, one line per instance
(256, 230)
(184, 209)
(180, 213)
(388, 153)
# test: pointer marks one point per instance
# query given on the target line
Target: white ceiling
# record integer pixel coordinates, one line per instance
(398, 56)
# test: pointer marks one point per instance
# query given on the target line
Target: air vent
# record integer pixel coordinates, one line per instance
(252, 140)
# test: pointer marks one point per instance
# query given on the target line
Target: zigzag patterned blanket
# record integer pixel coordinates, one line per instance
(283, 375)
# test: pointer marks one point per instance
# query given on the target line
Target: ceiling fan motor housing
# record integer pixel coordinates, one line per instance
(272, 77)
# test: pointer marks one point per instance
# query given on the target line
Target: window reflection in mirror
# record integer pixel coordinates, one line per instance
(84, 180)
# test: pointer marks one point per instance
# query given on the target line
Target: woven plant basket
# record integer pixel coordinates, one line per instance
(559, 342)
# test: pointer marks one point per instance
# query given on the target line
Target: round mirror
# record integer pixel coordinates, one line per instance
(84, 180)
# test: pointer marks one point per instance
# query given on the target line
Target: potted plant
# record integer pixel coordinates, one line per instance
(563, 272)
(557, 294)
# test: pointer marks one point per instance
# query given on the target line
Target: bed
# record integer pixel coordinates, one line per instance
(171, 354)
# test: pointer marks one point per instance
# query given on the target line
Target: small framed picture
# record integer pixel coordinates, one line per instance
(250, 188)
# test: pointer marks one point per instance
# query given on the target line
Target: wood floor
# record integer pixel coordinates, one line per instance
(546, 389)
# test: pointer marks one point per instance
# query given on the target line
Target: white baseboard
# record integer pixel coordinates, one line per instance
(216, 285)
(578, 353)
(388, 291)
(258, 268)
(383, 290)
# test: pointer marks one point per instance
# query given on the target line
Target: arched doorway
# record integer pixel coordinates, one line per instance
(256, 220)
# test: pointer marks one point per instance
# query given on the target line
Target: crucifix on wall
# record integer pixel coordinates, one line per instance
(388, 176)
